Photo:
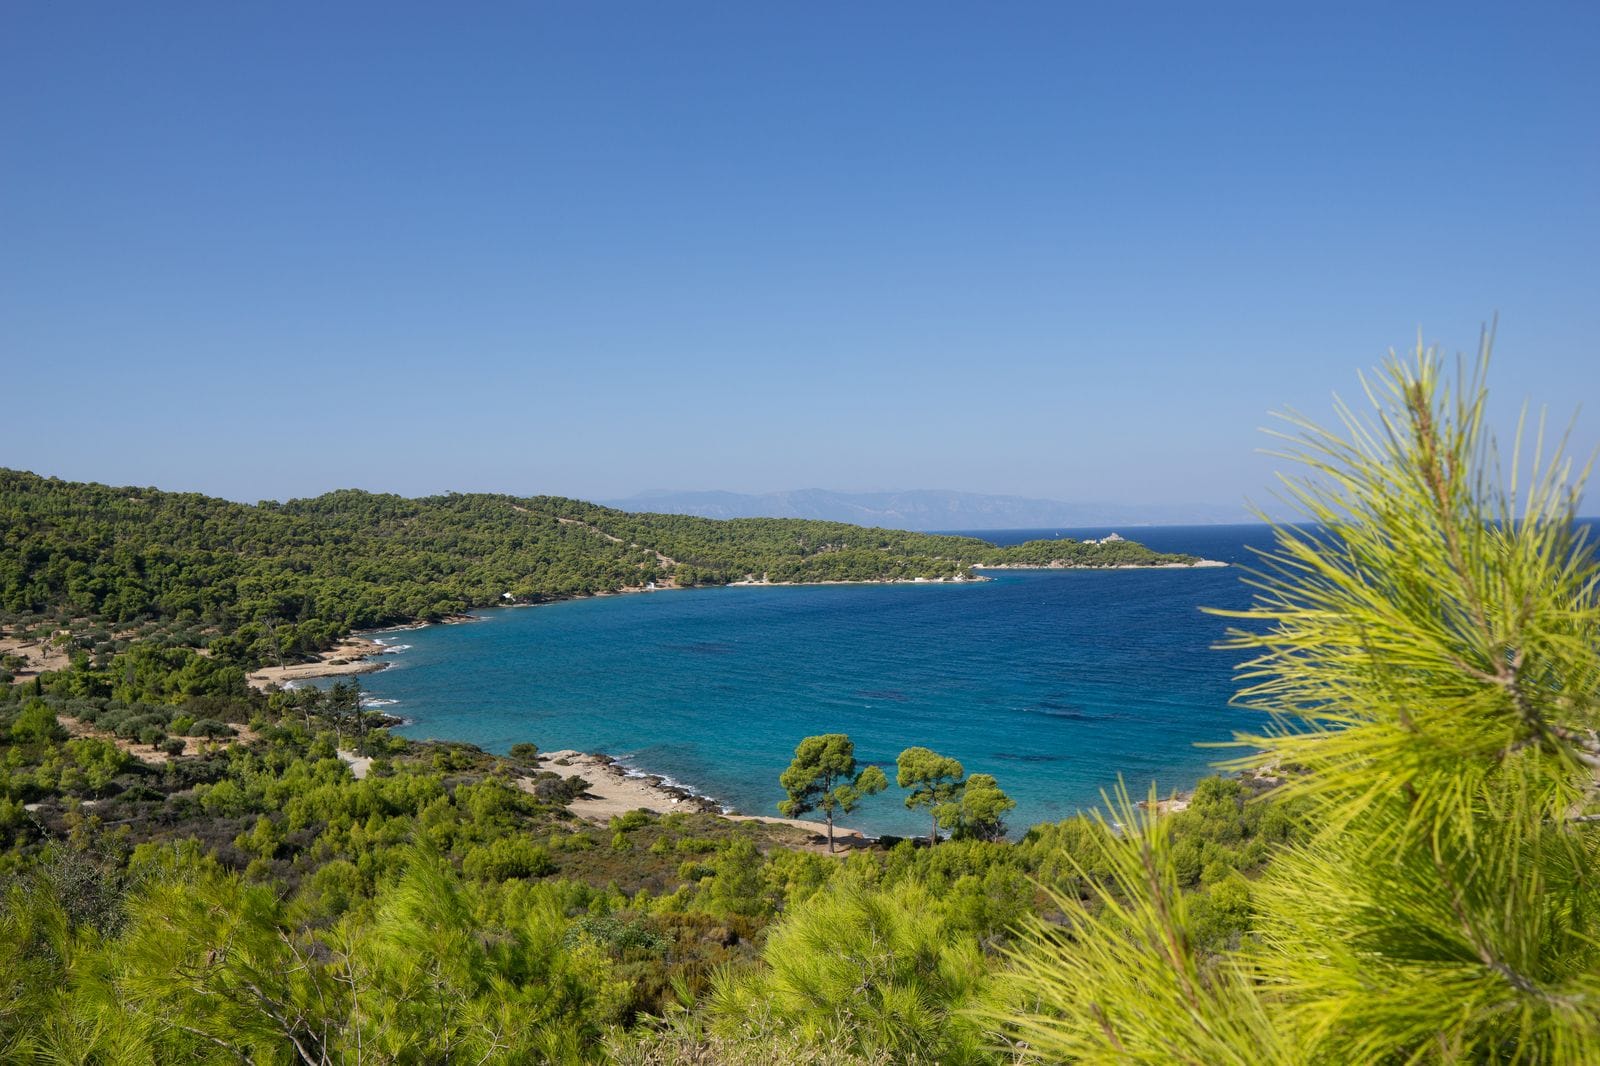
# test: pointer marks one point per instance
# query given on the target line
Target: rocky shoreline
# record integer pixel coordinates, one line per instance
(615, 790)
(353, 655)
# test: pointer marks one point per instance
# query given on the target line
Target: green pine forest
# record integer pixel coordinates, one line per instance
(1402, 866)
(253, 582)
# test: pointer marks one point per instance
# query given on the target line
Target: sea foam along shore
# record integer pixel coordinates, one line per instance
(353, 655)
(616, 789)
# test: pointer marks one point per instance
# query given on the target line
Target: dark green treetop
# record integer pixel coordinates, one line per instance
(935, 782)
(823, 777)
(981, 809)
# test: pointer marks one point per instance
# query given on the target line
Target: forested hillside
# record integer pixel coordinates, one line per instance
(255, 582)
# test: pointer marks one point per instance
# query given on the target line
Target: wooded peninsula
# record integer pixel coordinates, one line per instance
(255, 583)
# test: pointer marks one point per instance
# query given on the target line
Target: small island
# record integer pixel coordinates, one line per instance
(1110, 553)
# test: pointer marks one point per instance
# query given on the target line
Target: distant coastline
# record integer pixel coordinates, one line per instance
(354, 654)
(1058, 565)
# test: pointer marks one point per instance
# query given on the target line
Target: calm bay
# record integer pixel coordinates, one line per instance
(1055, 681)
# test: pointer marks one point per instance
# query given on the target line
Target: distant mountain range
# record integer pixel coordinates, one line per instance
(925, 509)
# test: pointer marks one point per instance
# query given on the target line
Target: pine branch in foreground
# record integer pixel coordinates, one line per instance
(1428, 649)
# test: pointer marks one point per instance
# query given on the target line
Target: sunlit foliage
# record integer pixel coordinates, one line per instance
(1429, 649)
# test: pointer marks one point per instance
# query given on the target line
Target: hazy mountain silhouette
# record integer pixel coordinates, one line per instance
(924, 509)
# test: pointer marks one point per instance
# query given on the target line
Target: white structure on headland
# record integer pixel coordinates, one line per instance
(1110, 538)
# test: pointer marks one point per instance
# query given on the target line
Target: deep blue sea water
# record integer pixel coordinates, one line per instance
(1053, 681)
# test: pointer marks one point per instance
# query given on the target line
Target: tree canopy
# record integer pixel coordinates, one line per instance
(823, 777)
(982, 808)
(935, 782)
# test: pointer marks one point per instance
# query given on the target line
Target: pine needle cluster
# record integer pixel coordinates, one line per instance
(1427, 646)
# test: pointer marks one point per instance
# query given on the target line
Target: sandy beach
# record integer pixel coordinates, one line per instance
(613, 791)
(350, 656)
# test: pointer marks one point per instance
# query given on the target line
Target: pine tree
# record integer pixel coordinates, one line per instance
(1428, 646)
(935, 782)
(823, 777)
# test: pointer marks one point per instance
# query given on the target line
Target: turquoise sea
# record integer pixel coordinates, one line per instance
(1053, 681)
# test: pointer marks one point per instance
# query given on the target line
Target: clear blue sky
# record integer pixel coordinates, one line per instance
(1066, 250)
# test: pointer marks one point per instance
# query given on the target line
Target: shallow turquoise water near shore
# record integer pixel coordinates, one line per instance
(1054, 681)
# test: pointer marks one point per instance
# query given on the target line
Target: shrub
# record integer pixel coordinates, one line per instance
(553, 788)
(613, 933)
(334, 887)
(572, 842)
(210, 727)
(695, 845)
(36, 724)
(100, 760)
(507, 858)
(873, 970)
(637, 819)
